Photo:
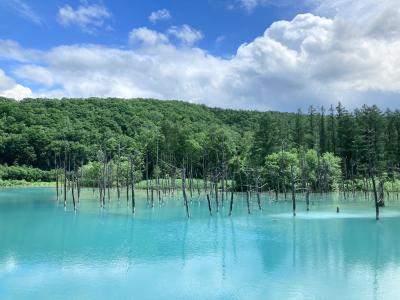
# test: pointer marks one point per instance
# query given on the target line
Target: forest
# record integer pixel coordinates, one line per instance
(320, 150)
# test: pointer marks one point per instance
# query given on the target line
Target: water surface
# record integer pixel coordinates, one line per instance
(49, 253)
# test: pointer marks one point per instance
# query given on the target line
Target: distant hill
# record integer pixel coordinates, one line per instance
(30, 127)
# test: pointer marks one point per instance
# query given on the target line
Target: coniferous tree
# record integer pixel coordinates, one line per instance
(322, 132)
(299, 130)
(370, 127)
(265, 139)
(371, 139)
(311, 135)
(332, 131)
(391, 143)
(345, 138)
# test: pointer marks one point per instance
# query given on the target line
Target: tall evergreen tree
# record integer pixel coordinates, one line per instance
(265, 139)
(371, 139)
(311, 133)
(299, 130)
(322, 132)
(391, 143)
(332, 131)
(345, 138)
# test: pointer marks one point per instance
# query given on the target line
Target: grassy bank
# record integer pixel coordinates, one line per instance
(164, 184)
(361, 185)
(24, 183)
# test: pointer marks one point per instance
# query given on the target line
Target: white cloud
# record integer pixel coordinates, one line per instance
(145, 36)
(308, 60)
(25, 11)
(10, 89)
(88, 17)
(333, 8)
(36, 74)
(249, 5)
(162, 72)
(11, 50)
(185, 34)
(159, 15)
(377, 19)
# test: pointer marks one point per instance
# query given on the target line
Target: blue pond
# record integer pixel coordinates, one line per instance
(47, 252)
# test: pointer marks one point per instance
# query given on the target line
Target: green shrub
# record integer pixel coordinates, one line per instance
(28, 174)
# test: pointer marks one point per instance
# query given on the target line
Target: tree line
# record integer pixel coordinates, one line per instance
(319, 150)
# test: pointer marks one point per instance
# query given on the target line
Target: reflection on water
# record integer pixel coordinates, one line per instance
(49, 253)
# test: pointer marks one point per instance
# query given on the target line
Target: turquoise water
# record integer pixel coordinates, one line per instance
(49, 253)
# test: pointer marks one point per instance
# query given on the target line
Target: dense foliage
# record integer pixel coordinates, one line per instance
(306, 168)
(25, 173)
(38, 132)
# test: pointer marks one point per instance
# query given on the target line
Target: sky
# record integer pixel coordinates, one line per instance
(242, 54)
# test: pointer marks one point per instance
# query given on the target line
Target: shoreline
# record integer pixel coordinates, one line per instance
(25, 184)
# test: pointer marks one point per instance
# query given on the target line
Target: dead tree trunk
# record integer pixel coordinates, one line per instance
(73, 191)
(147, 176)
(109, 179)
(258, 191)
(104, 178)
(191, 180)
(226, 184)
(73, 180)
(209, 205)
(56, 169)
(259, 200)
(174, 181)
(100, 191)
(133, 186)
(222, 185)
(344, 178)
(232, 191)
(184, 191)
(152, 196)
(204, 176)
(118, 170)
(381, 199)
(216, 192)
(79, 182)
(158, 189)
(127, 187)
(375, 197)
(248, 201)
(158, 178)
(293, 191)
(65, 179)
(365, 188)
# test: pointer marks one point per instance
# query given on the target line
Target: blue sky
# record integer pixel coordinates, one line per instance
(225, 24)
(252, 54)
